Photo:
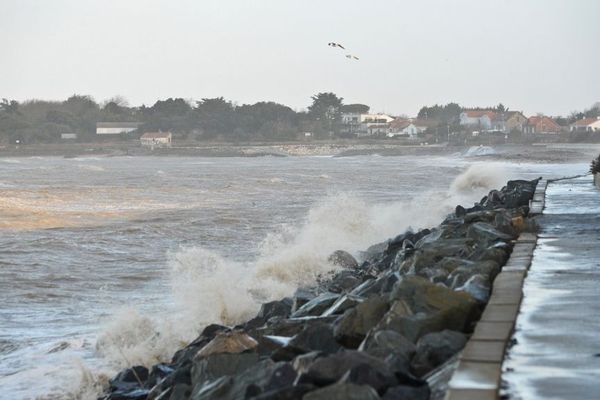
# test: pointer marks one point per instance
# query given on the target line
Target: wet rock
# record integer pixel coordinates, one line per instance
(187, 353)
(329, 369)
(315, 337)
(262, 377)
(342, 304)
(317, 305)
(385, 342)
(343, 259)
(129, 379)
(460, 275)
(281, 308)
(433, 308)
(180, 392)
(486, 234)
(343, 281)
(478, 287)
(182, 375)
(289, 327)
(301, 297)
(302, 363)
(215, 366)
(343, 391)
(364, 375)
(228, 342)
(356, 322)
(408, 393)
(436, 348)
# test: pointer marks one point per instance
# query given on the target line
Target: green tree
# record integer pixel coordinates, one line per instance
(327, 110)
(216, 116)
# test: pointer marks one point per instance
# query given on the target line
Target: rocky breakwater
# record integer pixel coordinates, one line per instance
(375, 329)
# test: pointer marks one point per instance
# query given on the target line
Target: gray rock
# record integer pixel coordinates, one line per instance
(433, 307)
(434, 349)
(343, 391)
(216, 366)
(263, 377)
(486, 234)
(301, 297)
(343, 259)
(315, 337)
(317, 305)
(353, 326)
(342, 304)
(478, 287)
(382, 343)
(329, 369)
(343, 281)
(365, 375)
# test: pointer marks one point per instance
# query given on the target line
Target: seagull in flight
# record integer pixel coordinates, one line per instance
(351, 57)
(333, 44)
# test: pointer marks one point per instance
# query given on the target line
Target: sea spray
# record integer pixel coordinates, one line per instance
(209, 288)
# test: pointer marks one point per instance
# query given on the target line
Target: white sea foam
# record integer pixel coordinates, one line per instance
(474, 151)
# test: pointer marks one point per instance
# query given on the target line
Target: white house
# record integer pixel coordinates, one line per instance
(116, 128)
(156, 139)
(374, 124)
(404, 127)
(481, 119)
(586, 125)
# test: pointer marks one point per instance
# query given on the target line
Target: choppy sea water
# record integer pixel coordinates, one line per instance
(107, 262)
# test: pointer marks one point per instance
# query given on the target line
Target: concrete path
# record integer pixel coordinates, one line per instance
(556, 354)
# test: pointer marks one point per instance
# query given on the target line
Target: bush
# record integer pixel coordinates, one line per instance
(595, 165)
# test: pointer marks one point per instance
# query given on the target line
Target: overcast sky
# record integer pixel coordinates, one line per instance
(531, 55)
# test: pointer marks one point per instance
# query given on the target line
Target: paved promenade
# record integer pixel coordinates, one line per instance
(556, 354)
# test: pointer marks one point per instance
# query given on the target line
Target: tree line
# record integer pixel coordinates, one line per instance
(40, 121)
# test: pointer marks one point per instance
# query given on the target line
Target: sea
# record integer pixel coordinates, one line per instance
(108, 262)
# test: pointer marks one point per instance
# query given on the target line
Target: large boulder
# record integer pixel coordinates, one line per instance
(353, 326)
(422, 307)
(215, 366)
(343, 259)
(228, 342)
(436, 348)
(383, 343)
(263, 377)
(315, 337)
(317, 305)
(329, 369)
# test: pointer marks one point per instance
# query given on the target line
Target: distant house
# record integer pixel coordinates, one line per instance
(586, 125)
(68, 136)
(350, 122)
(116, 128)
(514, 121)
(156, 139)
(374, 124)
(541, 124)
(405, 127)
(481, 119)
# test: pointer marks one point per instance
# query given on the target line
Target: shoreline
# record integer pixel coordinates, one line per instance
(379, 327)
(550, 152)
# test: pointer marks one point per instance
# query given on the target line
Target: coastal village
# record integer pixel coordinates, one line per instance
(471, 125)
(181, 123)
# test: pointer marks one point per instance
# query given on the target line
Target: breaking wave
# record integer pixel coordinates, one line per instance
(210, 288)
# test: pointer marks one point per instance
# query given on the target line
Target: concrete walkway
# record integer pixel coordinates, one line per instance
(556, 354)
